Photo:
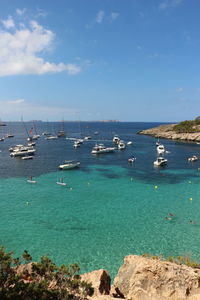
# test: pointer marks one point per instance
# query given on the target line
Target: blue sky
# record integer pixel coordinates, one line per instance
(130, 60)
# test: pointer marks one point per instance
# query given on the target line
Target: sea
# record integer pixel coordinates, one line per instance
(109, 208)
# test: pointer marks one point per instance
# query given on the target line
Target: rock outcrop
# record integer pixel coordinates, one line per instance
(100, 281)
(142, 278)
(166, 131)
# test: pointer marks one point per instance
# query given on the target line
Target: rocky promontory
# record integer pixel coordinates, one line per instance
(167, 131)
(145, 278)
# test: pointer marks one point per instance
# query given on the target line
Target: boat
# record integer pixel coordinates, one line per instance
(61, 182)
(131, 159)
(27, 157)
(30, 144)
(1, 139)
(9, 135)
(160, 149)
(116, 139)
(100, 149)
(87, 138)
(20, 150)
(69, 164)
(193, 158)
(51, 137)
(30, 180)
(129, 143)
(121, 145)
(160, 161)
(76, 144)
(61, 133)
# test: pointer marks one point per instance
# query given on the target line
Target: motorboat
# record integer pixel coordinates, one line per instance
(100, 149)
(116, 139)
(9, 135)
(69, 164)
(129, 143)
(193, 158)
(45, 133)
(30, 144)
(76, 144)
(160, 149)
(20, 150)
(87, 138)
(160, 161)
(2, 139)
(121, 145)
(131, 159)
(27, 157)
(51, 137)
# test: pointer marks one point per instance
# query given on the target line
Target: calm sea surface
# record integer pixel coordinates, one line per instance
(110, 208)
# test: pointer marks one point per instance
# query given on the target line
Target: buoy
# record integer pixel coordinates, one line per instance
(70, 189)
(190, 199)
(27, 203)
(155, 186)
(131, 179)
(189, 181)
(88, 183)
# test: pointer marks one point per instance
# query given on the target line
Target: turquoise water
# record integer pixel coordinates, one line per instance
(102, 215)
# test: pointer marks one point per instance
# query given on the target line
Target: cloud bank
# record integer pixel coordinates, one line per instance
(21, 48)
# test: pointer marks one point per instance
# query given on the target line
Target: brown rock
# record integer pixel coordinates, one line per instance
(100, 281)
(141, 278)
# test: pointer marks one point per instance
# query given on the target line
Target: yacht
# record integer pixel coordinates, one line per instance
(69, 164)
(131, 159)
(100, 148)
(21, 150)
(121, 145)
(160, 161)
(160, 149)
(51, 137)
(193, 158)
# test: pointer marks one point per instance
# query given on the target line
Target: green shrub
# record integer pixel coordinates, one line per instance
(43, 280)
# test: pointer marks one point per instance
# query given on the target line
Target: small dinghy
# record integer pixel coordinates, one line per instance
(27, 157)
(193, 158)
(61, 182)
(131, 160)
(30, 180)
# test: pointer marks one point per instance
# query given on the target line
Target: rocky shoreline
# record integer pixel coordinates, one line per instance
(166, 132)
(145, 278)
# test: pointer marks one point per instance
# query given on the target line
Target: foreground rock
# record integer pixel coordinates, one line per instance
(100, 281)
(141, 278)
(166, 131)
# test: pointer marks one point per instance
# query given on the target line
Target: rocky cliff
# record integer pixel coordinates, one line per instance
(166, 131)
(142, 278)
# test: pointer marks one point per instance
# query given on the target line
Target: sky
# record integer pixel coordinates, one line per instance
(126, 60)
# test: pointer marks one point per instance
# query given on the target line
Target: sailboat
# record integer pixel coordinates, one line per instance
(30, 180)
(61, 182)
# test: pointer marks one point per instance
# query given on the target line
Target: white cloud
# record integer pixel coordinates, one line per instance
(169, 4)
(20, 12)
(20, 49)
(9, 23)
(114, 15)
(100, 16)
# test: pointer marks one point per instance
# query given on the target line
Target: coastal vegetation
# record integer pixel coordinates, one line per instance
(188, 126)
(22, 279)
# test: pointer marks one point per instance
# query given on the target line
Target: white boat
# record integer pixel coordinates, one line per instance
(100, 149)
(132, 159)
(61, 133)
(116, 139)
(76, 144)
(52, 137)
(61, 182)
(121, 145)
(30, 180)
(1, 139)
(23, 153)
(70, 164)
(160, 161)
(27, 157)
(129, 143)
(193, 158)
(87, 138)
(160, 149)
(9, 135)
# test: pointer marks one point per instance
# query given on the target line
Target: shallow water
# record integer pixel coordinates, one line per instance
(109, 208)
